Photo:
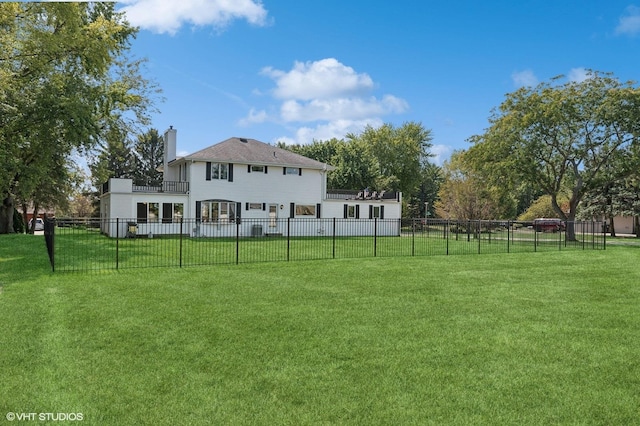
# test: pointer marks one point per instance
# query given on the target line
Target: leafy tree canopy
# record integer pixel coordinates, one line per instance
(65, 82)
(555, 136)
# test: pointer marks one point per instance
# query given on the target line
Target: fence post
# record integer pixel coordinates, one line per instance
(288, 237)
(49, 239)
(508, 236)
(478, 231)
(181, 228)
(375, 237)
(117, 243)
(334, 239)
(560, 237)
(535, 238)
(447, 232)
(237, 241)
(413, 236)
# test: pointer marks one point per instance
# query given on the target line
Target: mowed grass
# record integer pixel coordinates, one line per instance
(537, 338)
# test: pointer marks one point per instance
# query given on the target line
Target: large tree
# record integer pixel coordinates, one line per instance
(65, 80)
(557, 136)
(114, 158)
(148, 152)
(385, 158)
(462, 195)
(401, 153)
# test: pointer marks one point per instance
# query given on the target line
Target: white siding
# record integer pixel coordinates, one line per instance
(272, 187)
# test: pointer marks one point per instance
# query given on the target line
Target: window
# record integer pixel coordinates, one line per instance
(219, 171)
(154, 212)
(255, 206)
(142, 213)
(218, 211)
(351, 211)
(178, 211)
(148, 212)
(376, 212)
(257, 169)
(292, 171)
(305, 210)
(172, 212)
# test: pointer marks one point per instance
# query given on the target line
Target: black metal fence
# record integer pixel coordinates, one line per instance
(93, 244)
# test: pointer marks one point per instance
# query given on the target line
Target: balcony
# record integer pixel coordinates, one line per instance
(125, 186)
(168, 186)
(348, 194)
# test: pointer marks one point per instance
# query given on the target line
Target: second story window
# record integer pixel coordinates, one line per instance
(292, 171)
(219, 171)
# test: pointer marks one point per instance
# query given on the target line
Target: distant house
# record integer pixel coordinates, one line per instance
(241, 185)
(624, 224)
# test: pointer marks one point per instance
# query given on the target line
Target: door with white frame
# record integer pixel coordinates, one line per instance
(273, 225)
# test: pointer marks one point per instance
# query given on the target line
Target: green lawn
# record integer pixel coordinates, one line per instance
(523, 338)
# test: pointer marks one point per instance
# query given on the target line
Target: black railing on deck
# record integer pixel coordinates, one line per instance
(348, 194)
(168, 186)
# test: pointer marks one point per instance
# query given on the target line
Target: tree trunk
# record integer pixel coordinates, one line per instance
(6, 216)
(25, 217)
(570, 230)
(612, 228)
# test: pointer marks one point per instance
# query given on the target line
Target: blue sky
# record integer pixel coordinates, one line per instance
(295, 70)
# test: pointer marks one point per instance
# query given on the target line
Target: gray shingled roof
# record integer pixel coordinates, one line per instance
(251, 151)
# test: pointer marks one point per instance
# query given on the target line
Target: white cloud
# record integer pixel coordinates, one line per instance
(322, 79)
(629, 23)
(340, 108)
(333, 129)
(168, 16)
(524, 78)
(330, 98)
(254, 117)
(578, 75)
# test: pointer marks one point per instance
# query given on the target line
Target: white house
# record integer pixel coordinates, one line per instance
(243, 187)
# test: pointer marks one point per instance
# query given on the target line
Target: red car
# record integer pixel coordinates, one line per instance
(548, 225)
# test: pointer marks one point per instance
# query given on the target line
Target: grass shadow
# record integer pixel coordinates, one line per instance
(22, 258)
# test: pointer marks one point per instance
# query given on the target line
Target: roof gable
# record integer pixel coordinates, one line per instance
(251, 151)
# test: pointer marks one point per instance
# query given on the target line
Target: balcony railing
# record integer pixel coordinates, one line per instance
(167, 186)
(349, 194)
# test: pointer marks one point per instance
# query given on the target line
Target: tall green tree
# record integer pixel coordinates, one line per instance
(401, 152)
(386, 158)
(423, 202)
(462, 195)
(148, 152)
(65, 80)
(355, 166)
(558, 136)
(114, 159)
(323, 151)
